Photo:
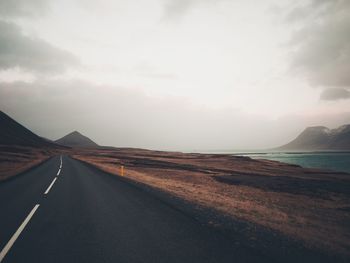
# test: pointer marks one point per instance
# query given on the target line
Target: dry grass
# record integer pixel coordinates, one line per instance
(309, 205)
(17, 159)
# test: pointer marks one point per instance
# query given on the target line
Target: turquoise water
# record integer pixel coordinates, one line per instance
(332, 161)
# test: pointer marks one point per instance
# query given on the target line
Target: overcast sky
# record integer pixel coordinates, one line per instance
(176, 74)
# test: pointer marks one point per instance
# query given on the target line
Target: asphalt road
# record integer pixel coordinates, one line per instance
(84, 215)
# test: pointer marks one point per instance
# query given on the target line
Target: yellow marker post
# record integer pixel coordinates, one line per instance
(122, 170)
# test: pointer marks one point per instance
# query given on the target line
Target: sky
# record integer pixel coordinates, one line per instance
(189, 75)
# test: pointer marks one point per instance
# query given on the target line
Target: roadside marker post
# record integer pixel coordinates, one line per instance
(122, 170)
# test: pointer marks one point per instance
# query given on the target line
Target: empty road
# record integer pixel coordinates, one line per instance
(66, 211)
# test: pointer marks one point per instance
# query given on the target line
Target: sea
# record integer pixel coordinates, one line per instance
(336, 161)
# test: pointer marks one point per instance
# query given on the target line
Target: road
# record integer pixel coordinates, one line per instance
(78, 214)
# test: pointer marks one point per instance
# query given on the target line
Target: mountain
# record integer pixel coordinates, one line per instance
(13, 133)
(321, 138)
(76, 139)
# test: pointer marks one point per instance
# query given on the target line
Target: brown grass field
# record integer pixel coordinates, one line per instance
(17, 159)
(308, 205)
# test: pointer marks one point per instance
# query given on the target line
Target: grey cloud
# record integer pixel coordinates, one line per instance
(312, 9)
(174, 9)
(119, 116)
(23, 8)
(123, 117)
(322, 42)
(31, 53)
(335, 94)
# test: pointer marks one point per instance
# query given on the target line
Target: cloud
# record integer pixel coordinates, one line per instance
(119, 116)
(31, 53)
(321, 43)
(174, 9)
(23, 8)
(335, 94)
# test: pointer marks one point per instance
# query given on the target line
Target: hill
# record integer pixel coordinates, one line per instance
(13, 133)
(319, 138)
(21, 149)
(76, 139)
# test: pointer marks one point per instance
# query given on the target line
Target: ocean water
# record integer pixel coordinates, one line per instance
(337, 161)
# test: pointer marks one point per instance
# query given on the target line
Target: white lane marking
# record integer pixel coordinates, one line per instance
(59, 170)
(48, 189)
(61, 162)
(17, 233)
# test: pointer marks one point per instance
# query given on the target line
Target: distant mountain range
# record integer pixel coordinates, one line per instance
(320, 138)
(76, 139)
(13, 133)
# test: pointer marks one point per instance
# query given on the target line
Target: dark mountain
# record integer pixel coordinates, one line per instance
(321, 138)
(76, 139)
(13, 133)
